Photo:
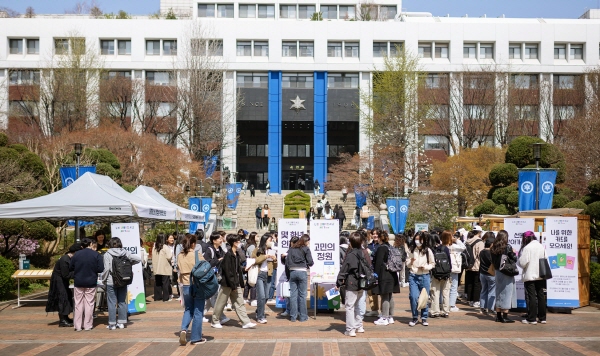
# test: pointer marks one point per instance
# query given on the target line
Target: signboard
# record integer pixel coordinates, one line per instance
(515, 229)
(421, 227)
(129, 233)
(325, 249)
(287, 228)
(561, 249)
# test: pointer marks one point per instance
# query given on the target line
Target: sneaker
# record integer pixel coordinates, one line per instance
(94, 316)
(381, 321)
(183, 338)
(372, 313)
(476, 305)
(204, 320)
(249, 326)
(525, 321)
(413, 322)
(120, 326)
(470, 304)
(404, 285)
(77, 329)
(225, 320)
(350, 333)
(542, 321)
(216, 326)
(252, 304)
(111, 327)
(88, 329)
(360, 330)
(390, 320)
(262, 321)
(424, 322)
(434, 315)
(199, 342)
(284, 314)
(247, 301)
(228, 307)
(454, 309)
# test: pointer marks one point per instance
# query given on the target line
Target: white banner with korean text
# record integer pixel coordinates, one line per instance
(515, 229)
(129, 233)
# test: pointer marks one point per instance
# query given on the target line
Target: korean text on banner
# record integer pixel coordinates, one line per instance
(287, 228)
(561, 248)
(526, 190)
(546, 188)
(515, 229)
(194, 204)
(129, 233)
(325, 249)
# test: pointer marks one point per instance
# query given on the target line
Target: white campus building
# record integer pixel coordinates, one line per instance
(300, 76)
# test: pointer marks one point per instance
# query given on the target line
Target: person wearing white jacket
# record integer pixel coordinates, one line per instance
(456, 249)
(535, 287)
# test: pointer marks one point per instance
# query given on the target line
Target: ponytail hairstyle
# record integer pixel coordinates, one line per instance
(188, 244)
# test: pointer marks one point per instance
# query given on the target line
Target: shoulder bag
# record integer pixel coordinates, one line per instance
(508, 265)
(544, 268)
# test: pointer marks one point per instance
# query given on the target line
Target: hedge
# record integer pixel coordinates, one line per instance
(504, 174)
(294, 202)
(6, 282)
(595, 282)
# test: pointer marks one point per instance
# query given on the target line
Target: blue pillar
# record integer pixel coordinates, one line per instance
(320, 127)
(275, 149)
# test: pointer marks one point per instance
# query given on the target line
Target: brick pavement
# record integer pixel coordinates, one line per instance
(29, 331)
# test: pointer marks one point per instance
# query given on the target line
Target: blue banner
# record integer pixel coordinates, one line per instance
(233, 194)
(69, 174)
(398, 213)
(210, 164)
(526, 190)
(202, 204)
(370, 222)
(546, 189)
(194, 205)
(360, 193)
(206, 205)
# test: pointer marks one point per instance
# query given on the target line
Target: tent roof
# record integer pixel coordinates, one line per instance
(92, 197)
(150, 194)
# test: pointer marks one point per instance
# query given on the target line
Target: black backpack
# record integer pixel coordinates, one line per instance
(366, 277)
(122, 273)
(470, 255)
(443, 266)
(343, 253)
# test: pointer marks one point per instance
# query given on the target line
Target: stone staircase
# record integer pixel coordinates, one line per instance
(335, 197)
(247, 205)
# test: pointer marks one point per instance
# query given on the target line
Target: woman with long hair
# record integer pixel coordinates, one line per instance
(506, 292)
(60, 296)
(161, 265)
(535, 286)
(420, 261)
(264, 261)
(488, 281)
(250, 292)
(194, 307)
(298, 261)
(387, 281)
(347, 277)
(441, 287)
(266, 216)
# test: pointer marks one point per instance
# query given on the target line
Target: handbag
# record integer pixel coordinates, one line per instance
(423, 298)
(544, 267)
(285, 290)
(491, 270)
(508, 266)
(253, 275)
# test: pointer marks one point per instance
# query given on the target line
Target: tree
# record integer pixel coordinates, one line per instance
(9, 12)
(465, 176)
(22, 173)
(29, 12)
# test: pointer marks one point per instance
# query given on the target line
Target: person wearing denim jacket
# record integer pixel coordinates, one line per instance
(420, 261)
(194, 307)
(298, 261)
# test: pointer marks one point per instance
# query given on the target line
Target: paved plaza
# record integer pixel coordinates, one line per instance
(29, 331)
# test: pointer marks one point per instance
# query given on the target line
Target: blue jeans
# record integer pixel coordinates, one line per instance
(298, 284)
(453, 288)
(116, 300)
(194, 310)
(416, 282)
(262, 289)
(272, 289)
(487, 298)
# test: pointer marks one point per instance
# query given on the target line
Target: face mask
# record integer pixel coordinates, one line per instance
(418, 243)
(269, 244)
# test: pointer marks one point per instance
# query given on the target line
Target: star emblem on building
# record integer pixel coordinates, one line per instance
(297, 104)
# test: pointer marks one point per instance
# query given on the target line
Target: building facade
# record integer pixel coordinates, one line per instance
(299, 68)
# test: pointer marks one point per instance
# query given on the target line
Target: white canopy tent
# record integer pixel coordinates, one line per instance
(183, 214)
(92, 197)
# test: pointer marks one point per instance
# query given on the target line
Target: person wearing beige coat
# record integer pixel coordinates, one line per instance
(472, 279)
(162, 268)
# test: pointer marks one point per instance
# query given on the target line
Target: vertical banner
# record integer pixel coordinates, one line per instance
(398, 213)
(69, 174)
(233, 194)
(515, 229)
(325, 250)
(526, 190)
(561, 248)
(546, 188)
(206, 203)
(194, 205)
(129, 233)
(360, 195)
(287, 228)
(210, 164)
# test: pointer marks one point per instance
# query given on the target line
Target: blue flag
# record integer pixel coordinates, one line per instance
(69, 174)
(210, 164)
(194, 206)
(546, 188)
(233, 194)
(206, 205)
(526, 190)
(360, 194)
(398, 213)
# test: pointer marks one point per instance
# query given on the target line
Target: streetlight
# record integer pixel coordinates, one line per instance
(537, 155)
(78, 150)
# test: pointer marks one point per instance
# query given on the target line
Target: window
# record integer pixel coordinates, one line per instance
(107, 47)
(347, 12)
(441, 50)
(560, 51)
(24, 77)
(395, 47)
(307, 49)
(435, 81)
(435, 143)
(387, 12)
(165, 109)
(287, 11)
(252, 80)
(469, 51)
(160, 78)
(124, 47)
(342, 80)
(253, 150)
(225, 11)
(297, 80)
(351, 49)
(564, 112)
(206, 10)
(576, 51)
(437, 112)
(117, 73)
(424, 50)
(16, 46)
(215, 48)
(289, 49)
(334, 49)
(524, 81)
(33, 46)
(296, 150)
(486, 51)
(61, 46)
(244, 49)
(247, 11)
(329, 12)
(306, 11)
(514, 51)
(525, 112)
(23, 108)
(477, 111)
(266, 11)
(207, 48)
(261, 49)
(170, 47)
(564, 81)
(380, 49)
(153, 47)
(531, 51)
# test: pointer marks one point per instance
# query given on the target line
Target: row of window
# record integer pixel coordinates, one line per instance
(306, 12)
(298, 80)
(292, 150)
(340, 49)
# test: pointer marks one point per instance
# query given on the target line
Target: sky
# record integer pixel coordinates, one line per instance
(456, 8)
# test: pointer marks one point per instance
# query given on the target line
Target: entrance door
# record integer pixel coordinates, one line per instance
(293, 181)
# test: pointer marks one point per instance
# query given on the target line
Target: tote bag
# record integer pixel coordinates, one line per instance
(253, 275)
(544, 268)
(423, 298)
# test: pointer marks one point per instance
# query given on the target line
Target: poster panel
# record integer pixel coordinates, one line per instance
(515, 229)
(325, 251)
(287, 228)
(561, 248)
(129, 233)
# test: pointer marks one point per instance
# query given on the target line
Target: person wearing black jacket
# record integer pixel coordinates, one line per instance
(85, 265)
(341, 216)
(487, 299)
(232, 285)
(348, 278)
(298, 261)
(60, 296)
(214, 254)
(387, 281)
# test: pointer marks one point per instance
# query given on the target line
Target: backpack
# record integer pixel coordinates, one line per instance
(203, 280)
(343, 253)
(366, 278)
(394, 260)
(122, 273)
(470, 260)
(443, 267)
